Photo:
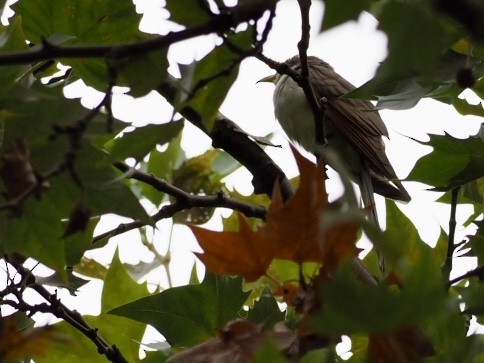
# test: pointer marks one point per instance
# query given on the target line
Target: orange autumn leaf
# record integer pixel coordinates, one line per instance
(16, 345)
(295, 230)
(234, 253)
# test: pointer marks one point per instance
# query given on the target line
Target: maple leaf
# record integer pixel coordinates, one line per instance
(298, 230)
(18, 344)
(240, 253)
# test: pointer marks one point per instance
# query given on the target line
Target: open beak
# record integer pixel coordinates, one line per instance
(272, 78)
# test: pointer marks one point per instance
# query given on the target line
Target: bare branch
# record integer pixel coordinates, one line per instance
(303, 44)
(183, 201)
(58, 309)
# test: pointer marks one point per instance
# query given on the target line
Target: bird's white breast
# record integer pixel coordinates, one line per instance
(294, 113)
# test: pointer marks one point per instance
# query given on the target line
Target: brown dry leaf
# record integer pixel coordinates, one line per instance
(407, 345)
(17, 345)
(296, 230)
(237, 342)
(240, 253)
(17, 172)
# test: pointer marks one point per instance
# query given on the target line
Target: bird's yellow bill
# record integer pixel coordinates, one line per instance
(272, 78)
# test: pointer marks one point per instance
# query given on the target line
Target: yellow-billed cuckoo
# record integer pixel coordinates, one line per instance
(353, 128)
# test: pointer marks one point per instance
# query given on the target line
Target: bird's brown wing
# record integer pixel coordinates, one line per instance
(356, 120)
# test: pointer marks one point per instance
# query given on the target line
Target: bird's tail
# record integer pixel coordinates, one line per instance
(368, 198)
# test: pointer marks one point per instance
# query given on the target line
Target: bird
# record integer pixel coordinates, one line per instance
(353, 127)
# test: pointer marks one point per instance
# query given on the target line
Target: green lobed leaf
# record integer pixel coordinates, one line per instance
(353, 307)
(188, 12)
(205, 83)
(30, 114)
(12, 38)
(119, 287)
(337, 12)
(72, 283)
(162, 164)
(90, 21)
(86, 22)
(408, 73)
(36, 233)
(465, 108)
(453, 162)
(76, 244)
(75, 347)
(143, 72)
(188, 315)
(139, 142)
(266, 310)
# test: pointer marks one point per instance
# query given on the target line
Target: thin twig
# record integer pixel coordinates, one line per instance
(477, 272)
(228, 19)
(303, 45)
(58, 309)
(447, 268)
(183, 201)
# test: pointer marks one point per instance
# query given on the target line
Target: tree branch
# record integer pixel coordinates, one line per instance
(229, 18)
(303, 44)
(477, 272)
(183, 201)
(58, 309)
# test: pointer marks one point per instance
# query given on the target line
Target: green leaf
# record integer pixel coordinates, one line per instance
(86, 22)
(12, 38)
(266, 310)
(119, 287)
(75, 347)
(325, 355)
(188, 315)
(89, 21)
(453, 162)
(188, 12)
(72, 283)
(162, 164)
(76, 244)
(205, 83)
(465, 108)
(36, 234)
(133, 71)
(139, 142)
(337, 12)
(30, 115)
(409, 73)
(401, 21)
(353, 307)
(269, 352)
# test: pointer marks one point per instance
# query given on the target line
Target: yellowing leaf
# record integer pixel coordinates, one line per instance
(16, 345)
